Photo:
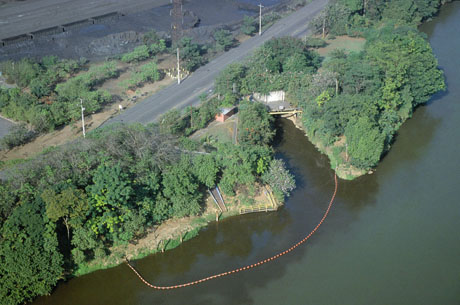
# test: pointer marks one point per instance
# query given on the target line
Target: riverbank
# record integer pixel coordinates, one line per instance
(351, 108)
(337, 160)
(173, 232)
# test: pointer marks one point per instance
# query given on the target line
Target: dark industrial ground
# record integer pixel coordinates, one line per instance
(120, 33)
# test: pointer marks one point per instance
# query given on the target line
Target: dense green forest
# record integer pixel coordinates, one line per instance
(353, 103)
(74, 203)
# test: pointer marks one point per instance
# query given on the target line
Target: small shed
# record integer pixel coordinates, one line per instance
(225, 113)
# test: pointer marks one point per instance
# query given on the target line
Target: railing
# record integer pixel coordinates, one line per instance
(257, 208)
(295, 111)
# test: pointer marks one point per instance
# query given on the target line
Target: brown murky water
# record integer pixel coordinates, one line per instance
(391, 238)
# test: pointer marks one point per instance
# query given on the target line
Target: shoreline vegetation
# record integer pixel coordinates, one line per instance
(79, 207)
(173, 232)
(85, 205)
(355, 98)
(361, 97)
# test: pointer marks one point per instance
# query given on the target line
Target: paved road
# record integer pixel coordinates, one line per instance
(18, 18)
(202, 80)
(5, 126)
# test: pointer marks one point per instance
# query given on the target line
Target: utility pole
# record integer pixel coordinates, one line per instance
(82, 118)
(260, 18)
(178, 67)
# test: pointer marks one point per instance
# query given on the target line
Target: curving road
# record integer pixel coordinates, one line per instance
(202, 80)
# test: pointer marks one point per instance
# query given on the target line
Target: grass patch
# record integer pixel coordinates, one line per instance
(349, 44)
(221, 133)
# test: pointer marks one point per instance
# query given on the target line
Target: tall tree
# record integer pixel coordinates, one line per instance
(181, 188)
(255, 125)
(70, 205)
(30, 262)
(110, 193)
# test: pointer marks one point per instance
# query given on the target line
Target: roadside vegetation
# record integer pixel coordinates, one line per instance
(46, 93)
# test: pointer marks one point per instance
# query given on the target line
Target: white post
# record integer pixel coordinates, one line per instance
(178, 67)
(82, 118)
(260, 18)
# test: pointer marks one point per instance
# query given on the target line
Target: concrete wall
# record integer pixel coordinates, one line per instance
(274, 96)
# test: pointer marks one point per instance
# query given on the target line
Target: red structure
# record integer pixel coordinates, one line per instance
(225, 113)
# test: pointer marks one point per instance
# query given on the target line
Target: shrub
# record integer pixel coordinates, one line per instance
(20, 72)
(279, 178)
(18, 135)
(313, 42)
(191, 54)
(140, 53)
(248, 27)
(157, 45)
(224, 40)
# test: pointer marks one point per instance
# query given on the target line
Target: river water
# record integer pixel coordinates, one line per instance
(391, 238)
